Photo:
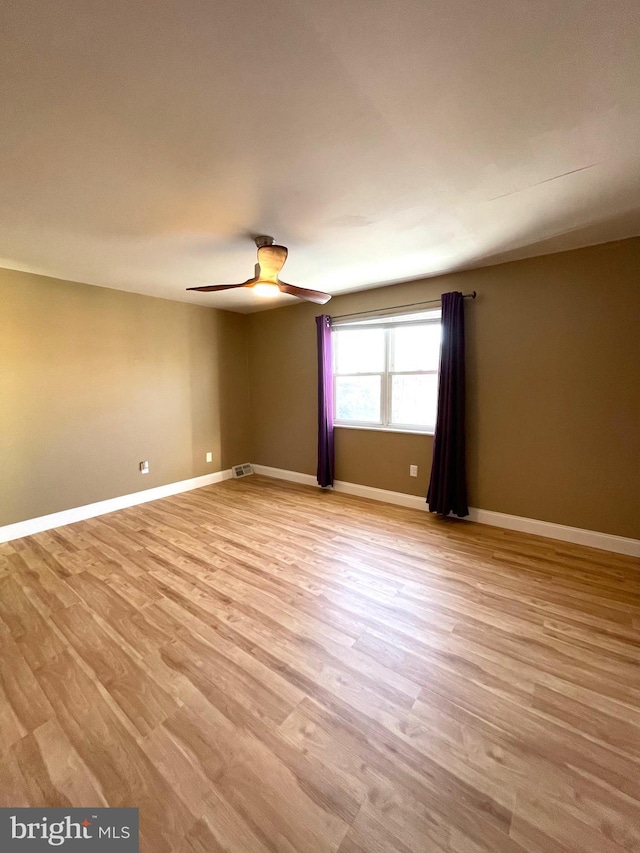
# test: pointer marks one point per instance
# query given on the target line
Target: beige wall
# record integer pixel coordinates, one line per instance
(554, 390)
(93, 381)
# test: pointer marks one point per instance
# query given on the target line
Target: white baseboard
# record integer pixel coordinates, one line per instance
(282, 474)
(398, 498)
(80, 513)
(412, 501)
(575, 535)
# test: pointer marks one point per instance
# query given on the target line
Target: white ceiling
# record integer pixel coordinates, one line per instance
(143, 143)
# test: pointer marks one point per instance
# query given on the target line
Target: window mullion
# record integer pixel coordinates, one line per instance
(413, 372)
(386, 390)
(371, 373)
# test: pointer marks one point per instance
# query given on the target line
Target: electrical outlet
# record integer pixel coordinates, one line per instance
(413, 470)
(209, 456)
(144, 467)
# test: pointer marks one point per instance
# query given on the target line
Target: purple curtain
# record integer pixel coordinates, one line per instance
(448, 486)
(325, 402)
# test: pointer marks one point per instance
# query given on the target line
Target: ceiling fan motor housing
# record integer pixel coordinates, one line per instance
(263, 240)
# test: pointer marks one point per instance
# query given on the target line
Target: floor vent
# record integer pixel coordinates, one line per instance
(242, 470)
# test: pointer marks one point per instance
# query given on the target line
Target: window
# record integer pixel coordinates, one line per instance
(386, 372)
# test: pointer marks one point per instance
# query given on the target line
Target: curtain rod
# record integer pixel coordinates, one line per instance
(395, 307)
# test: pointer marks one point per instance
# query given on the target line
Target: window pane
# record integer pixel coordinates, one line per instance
(414, 400)
(358, 398)
(416, 348)
(360, 351)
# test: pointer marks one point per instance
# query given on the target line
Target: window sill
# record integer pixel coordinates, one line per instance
(384, 429)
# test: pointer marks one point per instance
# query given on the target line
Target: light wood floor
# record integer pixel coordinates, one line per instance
(260, 666)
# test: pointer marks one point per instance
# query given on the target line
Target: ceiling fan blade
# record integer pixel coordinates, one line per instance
(304, 293)
(271, 260)
(210, 288)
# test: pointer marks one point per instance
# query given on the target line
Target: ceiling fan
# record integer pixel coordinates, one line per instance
(265, 282)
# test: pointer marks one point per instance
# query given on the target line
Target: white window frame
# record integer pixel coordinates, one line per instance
(388, 324)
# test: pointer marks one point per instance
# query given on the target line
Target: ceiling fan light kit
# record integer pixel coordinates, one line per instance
(266, 289)
(266, 283)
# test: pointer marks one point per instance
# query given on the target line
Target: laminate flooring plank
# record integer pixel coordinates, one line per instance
(264, 666)
(124, 773)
